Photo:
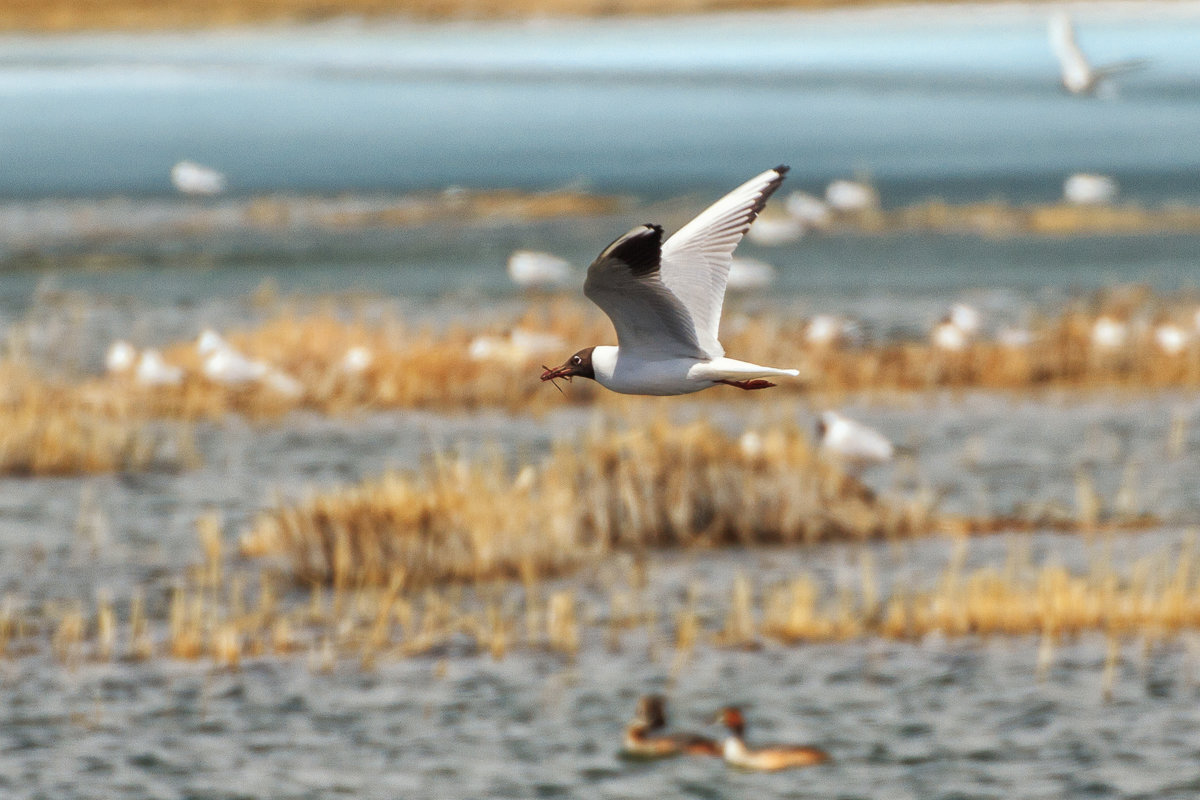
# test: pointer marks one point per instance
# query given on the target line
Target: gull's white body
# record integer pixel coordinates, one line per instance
(665, 299)
(671, 376)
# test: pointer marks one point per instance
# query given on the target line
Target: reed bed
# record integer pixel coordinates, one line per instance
(1128, 340)
(226, 617)
(661, 485)
(40, 435)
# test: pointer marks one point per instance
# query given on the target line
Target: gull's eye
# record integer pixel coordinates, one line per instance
(576, 360)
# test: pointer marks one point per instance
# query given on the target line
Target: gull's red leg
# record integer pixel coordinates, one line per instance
(757, 383)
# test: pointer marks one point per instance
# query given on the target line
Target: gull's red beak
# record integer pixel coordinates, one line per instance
(565, 371)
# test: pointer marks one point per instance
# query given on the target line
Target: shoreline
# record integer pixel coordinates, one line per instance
(145, 16)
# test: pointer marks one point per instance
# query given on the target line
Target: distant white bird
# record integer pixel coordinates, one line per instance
(746, 274)
(808, 209)
(948, 336)
(1078, 75)
(1089, 189)
(1170, 338)
(849, 196)
(966, 318)
(1109, 333)
(357, 359)
(228, 366)
(209, 342)
(153, 371)
(120, 357)
(1014, 338)
(518, 347)
(665, 299)
(188, 177)
(533, 270)
(773, 231)
(852, 442)
(824, 330)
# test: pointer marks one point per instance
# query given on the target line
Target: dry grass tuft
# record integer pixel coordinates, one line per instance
(661, 485)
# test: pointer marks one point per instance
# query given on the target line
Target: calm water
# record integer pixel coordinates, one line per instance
(962, 105)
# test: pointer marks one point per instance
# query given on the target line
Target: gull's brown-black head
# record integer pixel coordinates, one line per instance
(577, 366)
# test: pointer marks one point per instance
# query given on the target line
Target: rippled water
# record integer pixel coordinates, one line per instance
(961, 104)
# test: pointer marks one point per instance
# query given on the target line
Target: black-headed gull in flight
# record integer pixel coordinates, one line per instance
(1078, 75)
(664, 300)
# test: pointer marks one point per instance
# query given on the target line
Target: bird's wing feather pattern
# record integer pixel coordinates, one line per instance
(696, 260)
(625, 282)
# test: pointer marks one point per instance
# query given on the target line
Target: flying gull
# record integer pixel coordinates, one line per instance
(664, 300)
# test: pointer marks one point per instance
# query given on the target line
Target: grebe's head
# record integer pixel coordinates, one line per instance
(652, 710)
(731, 718)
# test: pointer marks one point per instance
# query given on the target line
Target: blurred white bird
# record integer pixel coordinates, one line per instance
(808, 209)
(966, 318)
(1089, 189)
(357, 359)
(188, 177)
(120, 357)
(771, 230)
(746, 274)
(825, 330)
(851, 442)
(1078, 75)
(1109, 333)
(1170, 338)
(153, 371)
(533, 270)
(209, 341)
(1014, 338)
(850, 196)
(518, 347)
(948, 336)
(228, 366)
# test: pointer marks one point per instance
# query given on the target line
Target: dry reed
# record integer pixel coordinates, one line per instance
(659, 485)
(418, 367)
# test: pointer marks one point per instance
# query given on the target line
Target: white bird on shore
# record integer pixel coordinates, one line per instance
(825, 330)
(153, 371)
(850, 196)
(530, 269)
(1170, 338)
(1089, 189)
(852, 442)
(188, 177)
(120, 357)
(948, 336)
(357, 360)
(665, 299)
(518, 347)
(966, 318)
(1109, 333)
(776, 230)
(1078, 75)
(209, 341)
(808, 209)
(746, 274)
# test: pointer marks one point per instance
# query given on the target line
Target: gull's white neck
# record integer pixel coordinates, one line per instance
(604, 364)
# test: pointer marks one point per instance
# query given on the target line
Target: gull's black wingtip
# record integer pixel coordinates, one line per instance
(782, 169)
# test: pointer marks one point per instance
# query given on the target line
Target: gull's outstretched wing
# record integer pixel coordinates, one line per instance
(1076, 72)
(695, 261)
(650, 320)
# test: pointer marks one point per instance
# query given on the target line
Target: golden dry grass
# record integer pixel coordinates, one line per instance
(226, 617)
(420, 367)
(41, 435)
(660, 485)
